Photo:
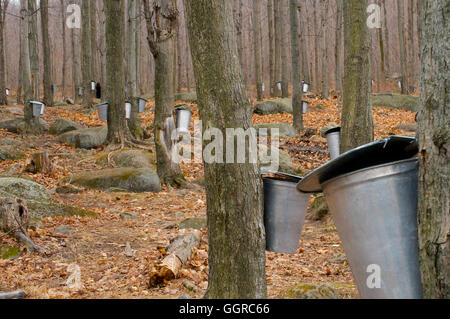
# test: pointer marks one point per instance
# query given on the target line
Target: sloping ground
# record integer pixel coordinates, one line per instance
(97, 245)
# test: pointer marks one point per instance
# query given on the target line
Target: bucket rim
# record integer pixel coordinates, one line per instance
(182, 109)
(335, 129)
(375, 170)
(102, 104)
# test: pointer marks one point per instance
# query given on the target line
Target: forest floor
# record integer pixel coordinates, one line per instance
(97, 245)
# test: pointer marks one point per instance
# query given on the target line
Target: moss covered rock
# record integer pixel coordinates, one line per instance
(10, 153)
(312, 291)
(135, 159)
(286, 130)
(285, 161)
(85, 138)
(396, 101)
(193, 223)
(273, 107)
(126, 179)
(9, 252)
(61, 126)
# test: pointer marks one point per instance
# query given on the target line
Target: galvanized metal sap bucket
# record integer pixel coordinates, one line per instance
(38, 108)
(305, 105)
(127, 110)
(142, 103)
(333, 138)
(102, 110)
(375, 211)
(284, 214)
(183, 120)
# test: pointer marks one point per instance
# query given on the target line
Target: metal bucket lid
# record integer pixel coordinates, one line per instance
(101, 104)
(37, 103)
(388, 150)
(333, 130)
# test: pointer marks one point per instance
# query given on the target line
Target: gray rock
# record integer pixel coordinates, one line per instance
(189, 285)
(67, 189)
(128, 216)
(14, 125)
(318, 210)
(285, 161)
(64, 230)
(135, 159)
(189, 97)
(286, 130)
(273, 107)
(125, 179)
(338, 258)
(85, 138)
(396, 101)
(61, 126)
(313, 291)
(9, 252)
(193, 223)
(115, 211)
(10, 153)
(38, 199)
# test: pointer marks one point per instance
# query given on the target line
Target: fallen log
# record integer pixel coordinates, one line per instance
(20, 294)
(15, 220)
(179, 252)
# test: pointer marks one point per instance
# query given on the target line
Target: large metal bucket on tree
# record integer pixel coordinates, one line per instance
(142, 103)
(38, 108)
(333, 139)
(284, 213)
(102, 110)
(183, 120)
(372, 195)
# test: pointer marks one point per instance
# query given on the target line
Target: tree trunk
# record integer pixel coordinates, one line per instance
(284, 52)
(338, 47)
(161, 24)
(76, 66)
(306, 76)
(278, 45)
(297, 93)
(234, 191)
(357, 122)
(324, 9)
(316, 47)
(64, 64)
(258, 46)
(33, 46)
(401, 36)
(86, 54)
(93, 33)
(411, 46)
(118, 132)
(434, 147)
(134, 123)
(272, 58)
(3, 97)
(138, 48)
(387, 56)
(48, 81)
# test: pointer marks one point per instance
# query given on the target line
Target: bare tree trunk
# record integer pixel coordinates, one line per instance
(272, 56)
(3, 97)
(338, 47)
(324, 9)
(138, 47)
(387, 66)
(64, 63)
(316, 47)
(434, 148)
(257, 43)
(278, 46)
(303, 46)
(401, 34)
(76, 66)
(235, 212)
(297, 93)
(284, 52)
(48, 81)
(93, 21)
(161, 23)
(357, 121)
(86, 53)
(179, 61)
(33, 46)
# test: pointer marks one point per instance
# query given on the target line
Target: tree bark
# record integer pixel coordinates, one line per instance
(161, 23)
(48, 81)
(338, 47)
(272, 58)
(434, 147)
(284, 52)
(33, 46)
(316, 47)
(64, 63)
(297, 93)
(3, 97)
(93, 33)
(324, 10)
(387, 56)
(234, 191)
(86, 54)
(306, 76)
(401, 35)
(257, 43)
(278, 46)
(357, 121)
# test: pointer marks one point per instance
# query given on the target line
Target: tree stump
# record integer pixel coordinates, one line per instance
(39, 163)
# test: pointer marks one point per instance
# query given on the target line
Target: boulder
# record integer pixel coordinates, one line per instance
(273, 107)
(14, 125)
(396, 101)
(39, 201)
(319, 209)
(125, 179)
(9, 252)
(10, 153)
(85, 138)
(286, 130)
(61, 126)
(285, 161)
(312, 291)
(135, 159)
(193, 223)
